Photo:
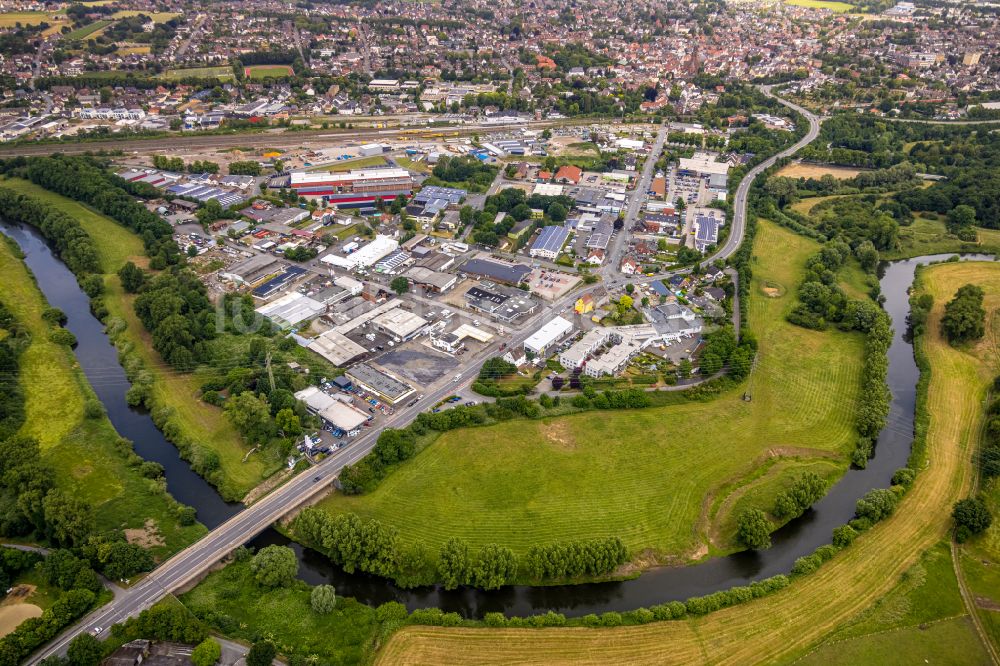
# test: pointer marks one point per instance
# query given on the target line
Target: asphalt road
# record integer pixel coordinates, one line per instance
(192, 562)
(739, 221)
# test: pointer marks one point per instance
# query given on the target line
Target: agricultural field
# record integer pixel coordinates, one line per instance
(201, 422)
(12, 19)
(81, 450)
(647, 476)
(800, 170)
(258, 72)
(222, 73)
(979, 556)
(787, 625)
(157, 17)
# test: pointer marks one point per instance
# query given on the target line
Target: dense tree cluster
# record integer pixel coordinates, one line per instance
(274, 566)
(76, 249)
(723, 351)
(84, 179)
(873, 403)
(972, 516)
(574, 559)
(964, 318)
(393, 446)
(753, 529)
(353, 544)
(467, 172)
(14, 562)
(15, 339)
(805, 491)
(35, 631)
(174, 308)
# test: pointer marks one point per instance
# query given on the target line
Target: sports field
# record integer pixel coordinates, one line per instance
(80, 450)
(786, 625)
(257, 72)
(659, 477)
(199, 421)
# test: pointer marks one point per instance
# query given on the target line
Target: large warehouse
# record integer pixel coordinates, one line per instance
(366, 256)
(357, 188)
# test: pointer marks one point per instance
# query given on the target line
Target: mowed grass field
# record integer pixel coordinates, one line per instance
(356, 163)
(222, 73)
(86, 31)
(786, 625)
(257, 72)
(157, 17)
(201, 422)
(833, 6)
(12, 19)
(649, 476)
(80, 450)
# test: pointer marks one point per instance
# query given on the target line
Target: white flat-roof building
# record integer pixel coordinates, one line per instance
(549, 334)
(399, 323)
(291, 309)
(548, 189)
(703, 164)
(366, 256)
(338, 414)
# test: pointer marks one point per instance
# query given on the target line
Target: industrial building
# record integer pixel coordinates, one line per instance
(539, 342)
(429, 279)
(399, 324)
(337, 413)
(253, 269)
(702, 164)
(549, 242)
(367, 256)
(499, 304)
(358, 188)
(291, 309)
(454, 341)
(377, 382)
(513, 274)
(336, 347)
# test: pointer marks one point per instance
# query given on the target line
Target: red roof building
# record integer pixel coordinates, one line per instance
(569, 174)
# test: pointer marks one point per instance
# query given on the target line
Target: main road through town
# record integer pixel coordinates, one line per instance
(192, 562)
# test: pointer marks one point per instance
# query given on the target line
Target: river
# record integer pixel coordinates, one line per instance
(98, 358)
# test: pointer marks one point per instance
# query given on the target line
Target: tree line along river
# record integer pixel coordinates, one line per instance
(99, 361)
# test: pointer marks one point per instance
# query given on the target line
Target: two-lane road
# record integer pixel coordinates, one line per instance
(195, 560)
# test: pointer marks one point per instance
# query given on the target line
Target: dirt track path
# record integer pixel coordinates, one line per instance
(782, 626)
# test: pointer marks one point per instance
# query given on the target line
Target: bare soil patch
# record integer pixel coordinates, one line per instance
(148, 536)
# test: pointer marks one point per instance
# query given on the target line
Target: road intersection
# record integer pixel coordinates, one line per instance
(188, 565)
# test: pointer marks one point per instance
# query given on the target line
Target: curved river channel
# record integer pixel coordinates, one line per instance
(99, 361)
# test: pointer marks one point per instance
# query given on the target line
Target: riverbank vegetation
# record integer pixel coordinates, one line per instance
(231, 601)
(170, 394)
(66, 434)
(788, 623)
(641, 475)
